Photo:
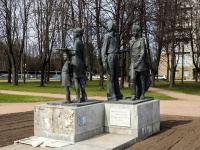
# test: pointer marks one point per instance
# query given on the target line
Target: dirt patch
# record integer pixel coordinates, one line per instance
(177, 132)
(15, 126)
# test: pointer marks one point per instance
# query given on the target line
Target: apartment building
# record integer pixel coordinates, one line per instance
(183, 53)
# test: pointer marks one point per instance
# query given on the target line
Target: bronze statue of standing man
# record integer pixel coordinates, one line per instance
(78, 66)
(110, 62)
(139, 70)
(75, 68)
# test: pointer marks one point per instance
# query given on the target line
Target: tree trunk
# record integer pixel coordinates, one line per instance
(24, 72)
(196, 75)
(172, 70)
(9, 71)
(90, 76)
(123, 66)
(98, 7)
(101, 76)
(80, 13)
(182, 63)
(173, 58)
(43, 72)
(153, 79)
(48, 70)
(168, 66)
(127, 66)
(14, 75)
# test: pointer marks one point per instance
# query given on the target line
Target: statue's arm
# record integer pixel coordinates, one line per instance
(142, 46)
(105, 49)
(142, 53)
(83, 54)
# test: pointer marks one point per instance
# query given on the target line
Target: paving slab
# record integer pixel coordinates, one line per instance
(104, 141)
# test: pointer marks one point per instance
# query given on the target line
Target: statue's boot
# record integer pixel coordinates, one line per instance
(112, 97)
(68, 99)
(77, 101)
(84, 98)
(84, 95)
(143, 90)
(119, 96)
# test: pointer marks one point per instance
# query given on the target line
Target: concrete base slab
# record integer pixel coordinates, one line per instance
(127, 100)
(75, 104)
(101, 142)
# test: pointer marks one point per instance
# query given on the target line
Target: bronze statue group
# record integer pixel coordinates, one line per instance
(74, 66)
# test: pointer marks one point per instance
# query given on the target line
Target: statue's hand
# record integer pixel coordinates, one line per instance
(73, 53)
(65, 56)
(135, 65)
(104, 65)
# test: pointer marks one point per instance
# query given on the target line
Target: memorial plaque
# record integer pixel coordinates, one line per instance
(120, 117)
(82, 120)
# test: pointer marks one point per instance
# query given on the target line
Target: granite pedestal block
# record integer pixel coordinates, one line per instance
(69, 123)
(140, 120)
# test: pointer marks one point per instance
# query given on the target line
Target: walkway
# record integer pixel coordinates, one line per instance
(6, 108)
(185, 105)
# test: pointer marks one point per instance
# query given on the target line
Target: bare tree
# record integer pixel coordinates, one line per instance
(159, 32)
(45, 24)
(194, 36)
(15, 17)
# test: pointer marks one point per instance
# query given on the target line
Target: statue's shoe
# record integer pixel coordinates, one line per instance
(133, 97)
(112, 99)
(66, 102)
(142, 96)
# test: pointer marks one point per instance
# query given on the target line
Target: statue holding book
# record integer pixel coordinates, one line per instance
(75, 68)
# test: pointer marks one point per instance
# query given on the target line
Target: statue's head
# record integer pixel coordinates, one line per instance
(78, 32)
(136, 30)
(112, 26)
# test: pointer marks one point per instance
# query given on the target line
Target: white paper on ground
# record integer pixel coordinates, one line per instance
(44, 142)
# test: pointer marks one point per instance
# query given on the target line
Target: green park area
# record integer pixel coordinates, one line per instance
(55, 87)
(92, 89)
(188, 87)
(7, 98)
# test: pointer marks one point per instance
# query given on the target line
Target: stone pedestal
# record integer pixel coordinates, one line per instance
(140, 120)
(68, 123)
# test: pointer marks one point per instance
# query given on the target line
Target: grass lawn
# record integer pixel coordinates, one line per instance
(92, 89)
(189, 87)
(7, 98)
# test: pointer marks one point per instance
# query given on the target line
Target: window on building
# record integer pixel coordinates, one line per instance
(186, 73)
(177, 72)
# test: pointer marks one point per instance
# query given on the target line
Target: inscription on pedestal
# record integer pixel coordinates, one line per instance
(120, 117)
